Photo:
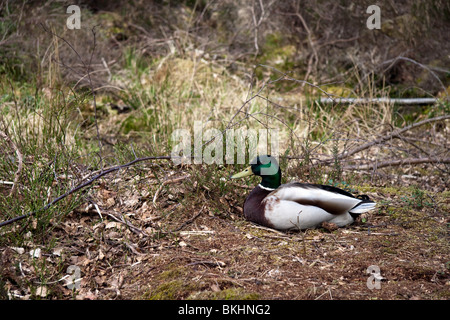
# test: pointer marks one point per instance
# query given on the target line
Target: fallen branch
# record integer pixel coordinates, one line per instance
(83, 185)
(393, 163)
(405, 101)
(127, 223)
(219, 264)
(395, 134)
(196, 232)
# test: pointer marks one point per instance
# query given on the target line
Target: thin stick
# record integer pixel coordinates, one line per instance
(175, 180)
(219, 264)
(83, 185)
(127, 223)
(399, 162)
(403, 101)
(189, 221)
(311, 44)
(393, 61)
(88, 72)
(395, 134)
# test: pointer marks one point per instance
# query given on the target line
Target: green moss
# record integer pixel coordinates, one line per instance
(389, 251)
(172, 273)
(226, 294)
(113, 25)
(341, 91)
(171, 290)
(174, 284)
(278, 52)
(235, 294)
(144, 120)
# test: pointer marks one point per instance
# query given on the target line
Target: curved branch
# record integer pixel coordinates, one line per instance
(399, 162)
(395, 134)
(83, 185)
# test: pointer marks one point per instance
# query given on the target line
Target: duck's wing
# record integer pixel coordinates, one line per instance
(331, 199)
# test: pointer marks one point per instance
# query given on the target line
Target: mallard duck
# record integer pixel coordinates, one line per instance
(297, 205)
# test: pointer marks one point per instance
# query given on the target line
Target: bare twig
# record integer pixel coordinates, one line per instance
(127, 223)
(219, 264)
(107, 69)
(403, 101)
(258, 21)
(391, 62)
(175, 180)
(189, 221)
(87, 67)
(314, 56)
(398, 162)
(83, 185)
(395, 134)
(328, 43)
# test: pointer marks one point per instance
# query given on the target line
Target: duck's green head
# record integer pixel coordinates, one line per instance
(267, 168)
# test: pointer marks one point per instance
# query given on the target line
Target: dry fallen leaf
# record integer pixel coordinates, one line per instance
(113, 224)
(57, 251)
(182, 244)
(35, 253)
(18, 250)
(215, 288)
(110, 202)
(41, 291)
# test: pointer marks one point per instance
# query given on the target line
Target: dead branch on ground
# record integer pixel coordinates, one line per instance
(83, 185)
(397, 162)
(396, 134)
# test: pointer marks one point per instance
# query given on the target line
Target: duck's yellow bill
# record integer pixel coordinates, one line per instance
(247, 172)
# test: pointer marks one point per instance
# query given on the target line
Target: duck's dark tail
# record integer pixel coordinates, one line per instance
(365, 205)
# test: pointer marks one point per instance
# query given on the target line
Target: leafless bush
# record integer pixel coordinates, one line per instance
(330, 38)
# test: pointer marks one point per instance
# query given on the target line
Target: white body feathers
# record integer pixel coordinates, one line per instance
(298, 206)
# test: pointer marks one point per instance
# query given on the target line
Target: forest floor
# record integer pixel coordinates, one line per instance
(138, 246)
